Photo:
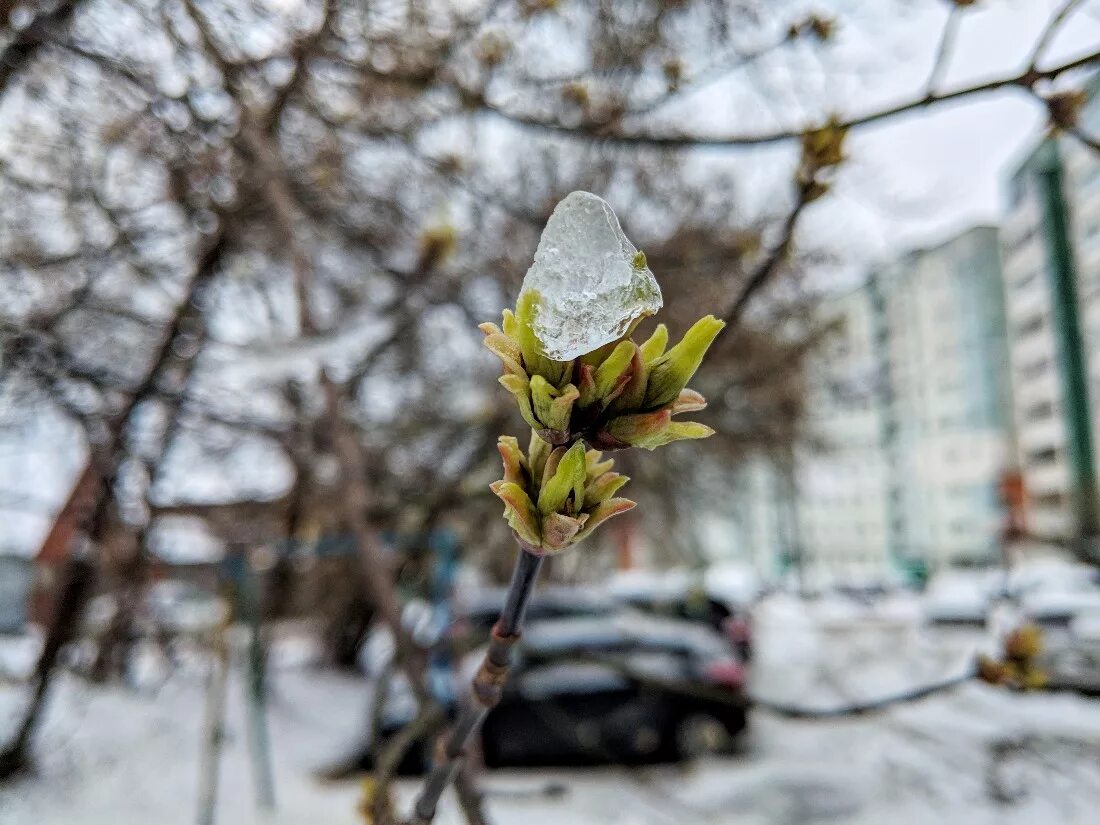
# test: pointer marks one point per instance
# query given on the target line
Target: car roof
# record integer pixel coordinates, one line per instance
(581, 599)
(626, 628)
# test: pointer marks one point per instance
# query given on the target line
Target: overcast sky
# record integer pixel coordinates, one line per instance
(912, 180)
(918, 178)
(943, 168)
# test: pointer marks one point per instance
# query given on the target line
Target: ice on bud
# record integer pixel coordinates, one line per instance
(592, 283)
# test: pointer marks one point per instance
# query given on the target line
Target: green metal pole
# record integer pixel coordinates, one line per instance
(883, 398)
(255, 688)
(1062, 273)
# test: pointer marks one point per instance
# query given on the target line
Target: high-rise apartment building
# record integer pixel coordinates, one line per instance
(909, 425)
(946, 395)
(1051, 252)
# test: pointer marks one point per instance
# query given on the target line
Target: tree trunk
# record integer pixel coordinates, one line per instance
(214, 728)
(72, 595)
(114, 647)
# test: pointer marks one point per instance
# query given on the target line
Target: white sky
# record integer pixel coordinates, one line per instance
(910, 181)
(915, 179)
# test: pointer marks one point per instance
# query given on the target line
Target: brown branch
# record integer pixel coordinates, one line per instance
(767, 268)
(377, 575)
(470, 798)
(485, 690)
(1088, 140)
(943, 51)
(1054, 25)
(301, 52)
(27, 42)
(94, 521)
(378, 578)
(1025, 80)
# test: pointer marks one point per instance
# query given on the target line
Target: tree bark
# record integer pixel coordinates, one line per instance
(78, 578)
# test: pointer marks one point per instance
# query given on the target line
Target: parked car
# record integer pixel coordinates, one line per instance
(477, 615)
(1054, 594)
(181, 607)
(613, 689)
(682, 598)
(168, 608)
(961, 597)
(473, 619)
(1071, 659)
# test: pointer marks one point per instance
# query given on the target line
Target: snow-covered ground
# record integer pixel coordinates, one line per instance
(977, 755)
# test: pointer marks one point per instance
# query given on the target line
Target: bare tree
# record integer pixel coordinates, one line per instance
(234, 228)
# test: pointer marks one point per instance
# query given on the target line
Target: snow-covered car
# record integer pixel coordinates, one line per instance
(616, 689)
(632, 689)
(473, 618)
(171, 607)
(179, 607)
(693, 598)
(1054, 595)
(961, 597)
(1071, 660)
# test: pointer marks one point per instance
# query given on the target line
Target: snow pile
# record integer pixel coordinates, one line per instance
(977, 755)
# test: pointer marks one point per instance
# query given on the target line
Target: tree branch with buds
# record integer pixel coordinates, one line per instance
(613, 394)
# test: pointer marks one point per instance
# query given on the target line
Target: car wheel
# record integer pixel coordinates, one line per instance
(700, 734)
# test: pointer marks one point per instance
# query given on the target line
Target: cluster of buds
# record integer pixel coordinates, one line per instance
(555, 496)
(620, 395)
(817, 26)
(1064, 108)
(822, 152)
(581, 382)
(1018, 665)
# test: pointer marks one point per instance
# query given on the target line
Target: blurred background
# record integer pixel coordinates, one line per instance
(247, 425)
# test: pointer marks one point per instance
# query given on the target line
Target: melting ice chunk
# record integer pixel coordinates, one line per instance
(591, 281)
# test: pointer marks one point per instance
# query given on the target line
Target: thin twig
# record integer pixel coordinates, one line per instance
(1088, 140)
(485, 690)
(214, 727)
(766, 268)
(426, 722)
(1053, 26)
(25, 45)
(1024, 80)
(872, 706)
(711, 73)
(943, 51)
(470, 797)
(303, 49)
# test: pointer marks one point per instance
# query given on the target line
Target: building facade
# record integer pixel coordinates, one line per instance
(910, 433)
(1051, 252)
(841, 477)
(946, 392)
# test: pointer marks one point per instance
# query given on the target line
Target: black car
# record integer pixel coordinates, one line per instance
(620, 690)
(610, 688)
(476, 617)
(694, 605)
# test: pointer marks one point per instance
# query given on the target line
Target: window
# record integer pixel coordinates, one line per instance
(1026, 280)
(1039, 411)
(1044, 455)
(1029, 326)
(1091, 177)
(1035, 369)
(1014, 244)
(1049, 501)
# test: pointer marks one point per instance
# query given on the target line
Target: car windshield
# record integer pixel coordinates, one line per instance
(626, 633)
(548, 603)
